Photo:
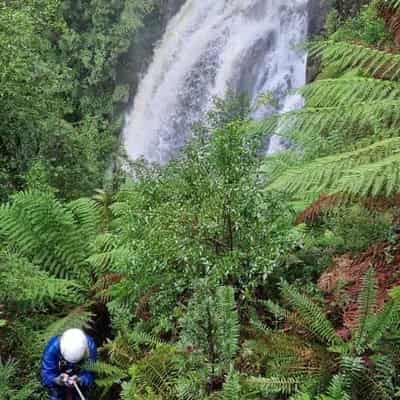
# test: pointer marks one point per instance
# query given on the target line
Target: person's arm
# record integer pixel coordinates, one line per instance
(86, 378)
(50, 368)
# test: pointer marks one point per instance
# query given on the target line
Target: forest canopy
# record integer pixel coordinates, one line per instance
(227, 273)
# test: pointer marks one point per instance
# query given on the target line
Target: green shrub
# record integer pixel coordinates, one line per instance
(355, 228)
(367, 27)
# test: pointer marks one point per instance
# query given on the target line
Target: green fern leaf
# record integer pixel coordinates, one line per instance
(313, 317)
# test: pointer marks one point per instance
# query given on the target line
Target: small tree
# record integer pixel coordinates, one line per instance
(211, 328)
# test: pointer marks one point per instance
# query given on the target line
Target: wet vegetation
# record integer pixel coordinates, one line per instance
(226, 274)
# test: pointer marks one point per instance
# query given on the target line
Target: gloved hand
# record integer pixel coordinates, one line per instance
(61, 380)
(72, 379)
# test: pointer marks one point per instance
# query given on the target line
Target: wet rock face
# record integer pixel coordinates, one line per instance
(170, 8)
(318, 10)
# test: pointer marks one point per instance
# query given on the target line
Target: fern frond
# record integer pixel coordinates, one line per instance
(353, 368)
(8, 387)
(357, 112)
(279, 312)
(345, 91)
(339, 126)
(376, 179)
(275, 165)
(350, 56)
(29, 287)
(326, 173)
(88, 218)
(79, 317)
(390, 3)
(120, 350)
(260, 326)
(156, 372)
(384, 376)
(312, 315)
(49, 233)
(283, 315)
(140, 337)
(360, 379)
(231, 388)
(337, 389)
(104, 286)
(191, 386)
(379, 324)
(274, 385)
(365, 306)
(109, 256)
(107, 374)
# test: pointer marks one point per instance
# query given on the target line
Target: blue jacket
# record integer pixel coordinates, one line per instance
(53, 363)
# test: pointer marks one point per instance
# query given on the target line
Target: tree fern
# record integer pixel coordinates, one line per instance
(333, 172)
(350, 56)
(27, 287)
(109, 255)
(358, 110)
(379, 178)
(339, 126)
(349, 90)
(88, 219)
(52, 235)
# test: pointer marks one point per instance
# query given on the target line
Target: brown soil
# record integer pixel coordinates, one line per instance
(342, 282)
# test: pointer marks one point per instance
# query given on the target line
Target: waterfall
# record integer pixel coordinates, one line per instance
(211, 46)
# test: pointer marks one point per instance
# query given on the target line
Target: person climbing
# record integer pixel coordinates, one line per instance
(62, 361)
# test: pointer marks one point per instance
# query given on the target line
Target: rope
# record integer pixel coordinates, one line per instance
(79, 391)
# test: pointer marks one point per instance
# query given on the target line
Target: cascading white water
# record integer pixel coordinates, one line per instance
(211, 46)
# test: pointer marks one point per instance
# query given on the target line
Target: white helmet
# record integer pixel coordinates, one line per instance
(74, 345)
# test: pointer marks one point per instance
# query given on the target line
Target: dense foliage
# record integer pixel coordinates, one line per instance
(226, 274)
(60, 90)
